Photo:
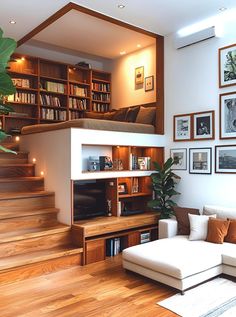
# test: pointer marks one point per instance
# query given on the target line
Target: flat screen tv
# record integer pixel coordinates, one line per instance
(89, 199)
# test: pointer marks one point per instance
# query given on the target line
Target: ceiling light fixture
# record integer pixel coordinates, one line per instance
(122, 52)
(12, 22)
(121, 6)
(222, 9)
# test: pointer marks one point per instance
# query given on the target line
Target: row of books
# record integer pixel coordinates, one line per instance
(102, 87)
(139, 162)
(145, 237)
(100, 97)
(74, 115)
(113, 246)
(78, 91)
(100, 107)
(22, 97)
(48, 100)
(21, 82)
(52, 114)
(80, 104)
(54, 87)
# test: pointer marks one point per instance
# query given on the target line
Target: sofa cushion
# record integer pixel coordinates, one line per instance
(181, 214)
(120, 114)
(132, 114)
(231, 235)
(217, 230)
(229, 254)
(198, 226)
(177, 257)
(146, 115)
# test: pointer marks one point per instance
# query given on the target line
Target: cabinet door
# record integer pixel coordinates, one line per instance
(133, 238)
(95, 251)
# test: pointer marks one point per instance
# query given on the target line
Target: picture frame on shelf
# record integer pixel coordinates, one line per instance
(200, 160)
(225, 159)
(204, 125)
(149, 83)
(139, 75)
(228, 115)
(182, 127)
(227, 66)
(180, 157)
(122, 188)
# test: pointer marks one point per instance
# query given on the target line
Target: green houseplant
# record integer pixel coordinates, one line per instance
(163, 183)
(7, 47)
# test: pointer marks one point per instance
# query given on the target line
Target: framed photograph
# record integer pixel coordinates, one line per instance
(200, 161)
(122, 188)
(204, 125)
(228, 115)
(225, 159)
(139, 75)
(180, 158)
(227, 66)
(149, 83)
(182, 127)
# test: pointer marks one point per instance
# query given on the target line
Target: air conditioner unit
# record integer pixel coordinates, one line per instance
(193, 38)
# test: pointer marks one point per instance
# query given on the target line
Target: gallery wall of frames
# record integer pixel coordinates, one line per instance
(201, 126)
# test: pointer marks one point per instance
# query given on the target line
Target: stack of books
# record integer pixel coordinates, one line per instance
(113, 246)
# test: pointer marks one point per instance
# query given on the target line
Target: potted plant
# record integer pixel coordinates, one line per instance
(163, 183)
(7, 47)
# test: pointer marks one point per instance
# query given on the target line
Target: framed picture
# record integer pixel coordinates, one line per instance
(122, 188)
(180, 158)
(225, 159)
(182, 127)
(149, 83)
(200, 161)
(204, 125)
(139, 75)
(228, 115)
(227, 66)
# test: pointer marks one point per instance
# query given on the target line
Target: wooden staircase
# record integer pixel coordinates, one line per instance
(32, 241)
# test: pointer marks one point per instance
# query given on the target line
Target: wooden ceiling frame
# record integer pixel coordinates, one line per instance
(159, 50)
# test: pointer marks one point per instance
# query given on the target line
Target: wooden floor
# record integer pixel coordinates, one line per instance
(100, 289)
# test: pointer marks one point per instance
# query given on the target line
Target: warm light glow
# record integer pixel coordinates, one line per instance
(139, 45)
(12, 22)
(22, 58)
(42, 173)
(121, 6)
(122, 52)
(17, 138)
(34, 160)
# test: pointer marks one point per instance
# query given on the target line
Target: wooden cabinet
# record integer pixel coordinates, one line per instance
(49, 91)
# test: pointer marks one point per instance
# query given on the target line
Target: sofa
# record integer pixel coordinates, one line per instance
(179, 262)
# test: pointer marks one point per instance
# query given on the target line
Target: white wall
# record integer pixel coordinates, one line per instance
(124, 92)
(191, 85)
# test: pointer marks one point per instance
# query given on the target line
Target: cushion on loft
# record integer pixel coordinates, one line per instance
(132, 114)
(146, 115)
(217, 230)
(108, 115)
(120, 114)
(231, 235)
(93, 115)
(198, 226)
(181, 214)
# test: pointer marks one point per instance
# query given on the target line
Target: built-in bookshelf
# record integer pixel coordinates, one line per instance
(49, 91)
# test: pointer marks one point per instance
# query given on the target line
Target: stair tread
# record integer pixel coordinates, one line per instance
(17, 165)
(32, 233)
(17, 195)
(20, 179)
(12, 214)
(37, 256)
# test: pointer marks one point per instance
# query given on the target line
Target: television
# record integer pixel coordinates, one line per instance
(89, 199)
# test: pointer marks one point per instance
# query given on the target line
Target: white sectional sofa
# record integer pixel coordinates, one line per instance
(177, 261)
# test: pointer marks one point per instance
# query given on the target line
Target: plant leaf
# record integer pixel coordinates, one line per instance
(6, 85)
(7, 47)
(2, 148)
(3, 135)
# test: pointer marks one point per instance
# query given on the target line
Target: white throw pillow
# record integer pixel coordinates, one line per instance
(198, 226)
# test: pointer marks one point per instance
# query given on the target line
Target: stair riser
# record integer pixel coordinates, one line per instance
(11, 146)
(21, 186)
(40, 268)
(16, 171)
(28, 203)
(37, 221)
(34, 244)
(9, 158)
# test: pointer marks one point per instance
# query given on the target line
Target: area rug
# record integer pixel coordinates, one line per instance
(211, 299)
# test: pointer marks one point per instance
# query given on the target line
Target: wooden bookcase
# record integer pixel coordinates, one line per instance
(49, 91)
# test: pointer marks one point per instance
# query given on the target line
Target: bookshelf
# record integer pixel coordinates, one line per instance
(49, 91)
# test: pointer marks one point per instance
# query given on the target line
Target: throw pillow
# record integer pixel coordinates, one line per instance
(198, 226)
(181, 214)
(108, 115)
(231, 235)
(146, 115)
(132, 114)
(217, 230)
(120, 114)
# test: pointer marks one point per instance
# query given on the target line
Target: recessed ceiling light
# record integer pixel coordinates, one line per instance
(12, 22)
(222, 9)
(138, 45)
(121, 6)
(122, 52)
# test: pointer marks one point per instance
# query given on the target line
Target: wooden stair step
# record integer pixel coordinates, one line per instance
(37, 256)
(17, 170)
(21, 184)
(11, 145)
(20, 157)
(8, 214)
(25, 201)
